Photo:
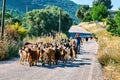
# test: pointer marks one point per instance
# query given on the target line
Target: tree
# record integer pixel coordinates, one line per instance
(42, 21)
(106, 3)
(114, 24)
(99, 12)
(117, 20)
(16, 31)
(87, 16)
(9, 19)
(79, 14)
(84, 13)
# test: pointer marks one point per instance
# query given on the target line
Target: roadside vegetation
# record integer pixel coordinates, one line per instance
(108, 52)
(37, 25)
(12, 40)
(108, 36)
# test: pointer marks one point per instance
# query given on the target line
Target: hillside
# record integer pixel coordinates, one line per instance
(20, 5)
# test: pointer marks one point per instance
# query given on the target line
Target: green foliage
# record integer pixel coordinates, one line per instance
(99, 12)
(114, 24)
(16, 14)
(84, 8)
(9, 19)
(79, 14)
(88, 16)
(106, 3)
(8, 48)
(84, 13)
(13, 48)
(7, 16)
(42, 21)
(16, 31)
(20, 5)
(117, 18)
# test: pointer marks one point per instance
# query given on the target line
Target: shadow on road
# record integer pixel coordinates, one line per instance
(76, 63)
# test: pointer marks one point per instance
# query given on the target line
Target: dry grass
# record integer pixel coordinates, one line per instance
(111, 73)
(108, 53)
(46, 38)
(3, 48)
(8, 48)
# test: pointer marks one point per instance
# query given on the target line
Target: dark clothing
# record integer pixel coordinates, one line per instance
(78, 43)
(78, 40)
(86, 39)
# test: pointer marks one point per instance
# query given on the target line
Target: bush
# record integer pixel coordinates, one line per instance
(109, 59)
(108, 53)
(16, 31)
(8, 48)
(3, 49)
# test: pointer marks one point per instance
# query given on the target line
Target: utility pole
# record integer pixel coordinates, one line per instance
(26, 8)
(2, 18)
(59, 21)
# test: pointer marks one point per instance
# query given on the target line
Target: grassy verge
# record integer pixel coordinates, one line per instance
(8, 48)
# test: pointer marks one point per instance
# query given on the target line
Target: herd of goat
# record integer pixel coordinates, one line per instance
(48, 53)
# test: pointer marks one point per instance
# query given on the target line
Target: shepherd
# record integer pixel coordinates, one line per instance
(78, 39)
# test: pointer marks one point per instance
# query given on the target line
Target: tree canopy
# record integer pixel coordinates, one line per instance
(9, 18)
(42, 21)
(114, 24)
(117, 20)
(21, 5)
(99, 12)
(106, 3)
(84, 13)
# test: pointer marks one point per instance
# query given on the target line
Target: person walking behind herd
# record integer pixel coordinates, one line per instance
(78, 39)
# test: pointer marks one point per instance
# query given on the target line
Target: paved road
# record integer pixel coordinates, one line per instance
(85, 67)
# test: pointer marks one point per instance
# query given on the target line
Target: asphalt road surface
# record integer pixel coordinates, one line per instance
(84, 67)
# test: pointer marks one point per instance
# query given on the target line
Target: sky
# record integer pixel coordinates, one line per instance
(115, 3)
